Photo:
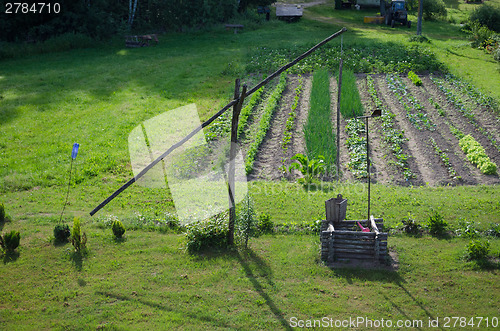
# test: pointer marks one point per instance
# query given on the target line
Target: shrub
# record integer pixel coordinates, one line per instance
(265, 224)
(436, 224)
(488, 16)
(414, 78)
(478, 34)
(494, 230)
(61, 233)
(246, 220)
(478, 250)
(211, 233)
(10, 240)
(496, 54)
(467, 229)
(310, 169)
(434, 9)
(118, 228)
(410, 226)
(78, 239)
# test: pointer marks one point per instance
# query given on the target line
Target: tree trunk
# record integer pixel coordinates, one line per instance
(131, 12)
(419, 22)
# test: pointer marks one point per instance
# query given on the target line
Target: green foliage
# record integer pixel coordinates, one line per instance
(444, 159)
(414, 78)
(246, 220)
(318, 130)
(118, 228)
(207, 234)
(419, 39)
(488, 16)
(10, 241)
(310, 169)
(436, 224)
(467, 229)
(494, 230)
(410, 225)
(478, 34)
(477, 155)
(247, 110)
(264, 223)
(434, 9)
(350, 101)
(61, 233)
(289, 125)
(265, 122)
(78, 239)
(356, 144)
(478, 250)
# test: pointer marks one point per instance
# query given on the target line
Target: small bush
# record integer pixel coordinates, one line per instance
(414, 78)
(246, 220)
(478, 250)
(496, 54)
(78, 239)
(265, 224)
(211, 233)
(436, 224)
(434, 9)
(494, 230)
(10, 241)
(410, 226)
(488, 16)
(467, 229)
(62, 233)
(118, 228)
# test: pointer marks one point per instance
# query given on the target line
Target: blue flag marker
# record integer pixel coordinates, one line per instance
(74, 153)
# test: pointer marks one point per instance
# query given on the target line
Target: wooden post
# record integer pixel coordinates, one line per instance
(338, 120)
(232, 156)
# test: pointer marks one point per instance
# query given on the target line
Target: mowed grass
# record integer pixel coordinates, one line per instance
(148, 281)
(318, 129)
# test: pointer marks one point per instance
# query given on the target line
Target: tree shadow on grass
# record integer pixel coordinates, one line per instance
(249, 260)
(10, 256)
(77, 259)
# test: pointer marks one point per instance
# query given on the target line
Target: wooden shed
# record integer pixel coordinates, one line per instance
(289, 12)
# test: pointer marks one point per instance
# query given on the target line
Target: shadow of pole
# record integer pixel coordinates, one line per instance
(263, 267)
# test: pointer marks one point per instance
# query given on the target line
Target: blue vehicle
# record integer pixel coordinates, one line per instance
(397, 13)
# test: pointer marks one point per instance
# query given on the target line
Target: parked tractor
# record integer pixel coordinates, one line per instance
(397, 13)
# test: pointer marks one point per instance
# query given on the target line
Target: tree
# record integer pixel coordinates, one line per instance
(131, 12)
(419, 22)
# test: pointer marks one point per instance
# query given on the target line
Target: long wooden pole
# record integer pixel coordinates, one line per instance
(211, 119)
(338, 119)
(232, 155)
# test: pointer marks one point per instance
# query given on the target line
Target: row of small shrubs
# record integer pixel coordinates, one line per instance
(477, 155)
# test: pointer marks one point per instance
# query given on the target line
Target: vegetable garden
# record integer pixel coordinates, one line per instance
(434, 130)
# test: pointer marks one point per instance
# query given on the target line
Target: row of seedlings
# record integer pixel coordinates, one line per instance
(290, 124)
(393, 137)
(271, 105)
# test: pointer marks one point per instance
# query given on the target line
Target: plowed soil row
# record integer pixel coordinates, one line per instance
(423, 161)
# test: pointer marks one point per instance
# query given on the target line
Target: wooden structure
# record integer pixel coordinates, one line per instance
(140, 40)
(235, 27)
(289, 12)
(343, 240)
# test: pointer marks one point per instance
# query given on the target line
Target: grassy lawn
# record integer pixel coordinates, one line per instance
(148, 281)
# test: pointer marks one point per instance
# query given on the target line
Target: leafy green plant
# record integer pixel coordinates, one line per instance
(414, 78)
(61, 233)
(318, 130)
(118, 228)
(247, 110)
(264, 223)
(436, 224)
(478, 250)
(78, 239)
(246, 221)
(467, 229)
(477, 155)
(444, 159)
(494, 230)
(488, 16)
(310, 169)
(10, 241)
(356, 144)
(410, 226)
(210, 233)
